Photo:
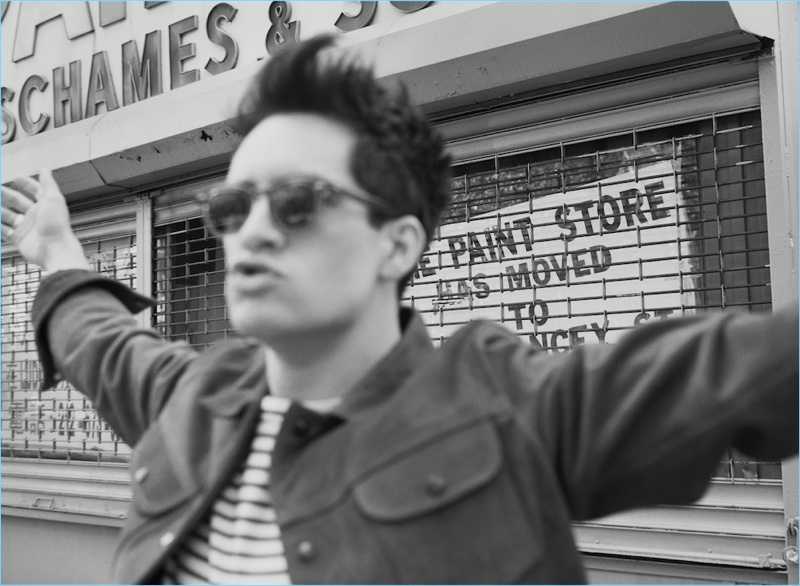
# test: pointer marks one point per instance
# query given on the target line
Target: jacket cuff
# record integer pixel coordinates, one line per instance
(53, 289)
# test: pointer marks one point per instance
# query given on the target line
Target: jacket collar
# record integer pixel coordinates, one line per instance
(242, 369)
(386, 376)
(373, 389)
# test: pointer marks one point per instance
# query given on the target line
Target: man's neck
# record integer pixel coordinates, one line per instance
(328, 365)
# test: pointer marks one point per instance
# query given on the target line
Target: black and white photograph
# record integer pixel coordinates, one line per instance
(450, 292)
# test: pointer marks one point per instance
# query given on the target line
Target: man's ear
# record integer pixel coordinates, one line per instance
(406, 241)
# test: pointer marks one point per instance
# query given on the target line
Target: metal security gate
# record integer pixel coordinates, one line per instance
(57, 423)
(189, 283)
(572, 224)
(59, 457)
(188, 271)
(580, 241)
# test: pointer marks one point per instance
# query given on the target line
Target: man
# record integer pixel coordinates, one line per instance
(334, 444)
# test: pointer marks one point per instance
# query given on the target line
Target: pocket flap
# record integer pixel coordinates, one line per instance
(432, 476)
(157, 486)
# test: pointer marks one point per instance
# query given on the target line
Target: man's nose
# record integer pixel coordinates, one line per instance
(259, 230)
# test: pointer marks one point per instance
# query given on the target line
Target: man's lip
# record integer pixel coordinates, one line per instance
(248, 268)
(246, 282)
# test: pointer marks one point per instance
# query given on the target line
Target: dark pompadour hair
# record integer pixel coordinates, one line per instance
(398, 157)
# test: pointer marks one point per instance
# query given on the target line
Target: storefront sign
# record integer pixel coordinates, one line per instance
(564, 269)
(73, 60)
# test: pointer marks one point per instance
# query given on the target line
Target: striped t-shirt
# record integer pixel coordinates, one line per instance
(239, 542)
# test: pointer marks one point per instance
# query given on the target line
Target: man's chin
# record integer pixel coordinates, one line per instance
(264, 327)
(251, 320)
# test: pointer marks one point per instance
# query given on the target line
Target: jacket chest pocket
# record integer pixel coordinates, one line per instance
(449, 512)
(433, 477)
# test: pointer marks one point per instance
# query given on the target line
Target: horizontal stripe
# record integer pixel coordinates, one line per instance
(246, 528)
(251, 511)
(255, 476)
(247, 495)
(240, 546)
(177, 575)
(276, 578)
(270, 425)
(273, 404)
(252, 493)
(257, 458)
(270, 421)
(248, 565)
(263, 445)
(195, 546)
(187, 562)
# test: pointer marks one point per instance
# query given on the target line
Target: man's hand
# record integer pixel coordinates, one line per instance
(35, 218)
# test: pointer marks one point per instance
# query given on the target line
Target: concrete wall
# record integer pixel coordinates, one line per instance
(54, 552)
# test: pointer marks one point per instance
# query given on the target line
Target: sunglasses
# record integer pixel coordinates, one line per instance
(294, 204)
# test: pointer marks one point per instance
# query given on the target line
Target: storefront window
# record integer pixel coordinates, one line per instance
(60, 422)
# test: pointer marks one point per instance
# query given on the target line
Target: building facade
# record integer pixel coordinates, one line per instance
(614, 163)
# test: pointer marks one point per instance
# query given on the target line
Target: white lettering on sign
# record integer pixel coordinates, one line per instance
(564, 269)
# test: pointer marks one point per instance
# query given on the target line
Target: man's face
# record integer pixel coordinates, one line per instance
(316, 279)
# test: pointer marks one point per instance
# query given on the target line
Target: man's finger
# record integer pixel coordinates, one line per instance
(10, 218)
(6, 232)
(47, 183)
(15, 200)
(28, 186)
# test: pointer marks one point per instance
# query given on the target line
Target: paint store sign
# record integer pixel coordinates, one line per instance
(565, 269)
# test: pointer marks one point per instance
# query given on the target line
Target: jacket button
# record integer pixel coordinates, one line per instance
(306, 551)
(435, 485)
(166, 539)
(140, 474)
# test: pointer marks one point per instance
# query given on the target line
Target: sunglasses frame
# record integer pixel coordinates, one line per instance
(322, 190)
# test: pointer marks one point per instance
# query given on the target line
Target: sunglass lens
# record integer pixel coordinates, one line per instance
(228, 210)
(294, 206)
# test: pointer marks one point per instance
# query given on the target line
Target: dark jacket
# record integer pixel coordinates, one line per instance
(460, 464)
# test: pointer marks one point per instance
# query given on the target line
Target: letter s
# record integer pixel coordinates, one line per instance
(480, 285)
(9, 122)
(222, 39)
(565, 224)
(364, 17)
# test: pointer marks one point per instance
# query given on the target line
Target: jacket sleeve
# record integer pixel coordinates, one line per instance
(646, 421)
(86, 334)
